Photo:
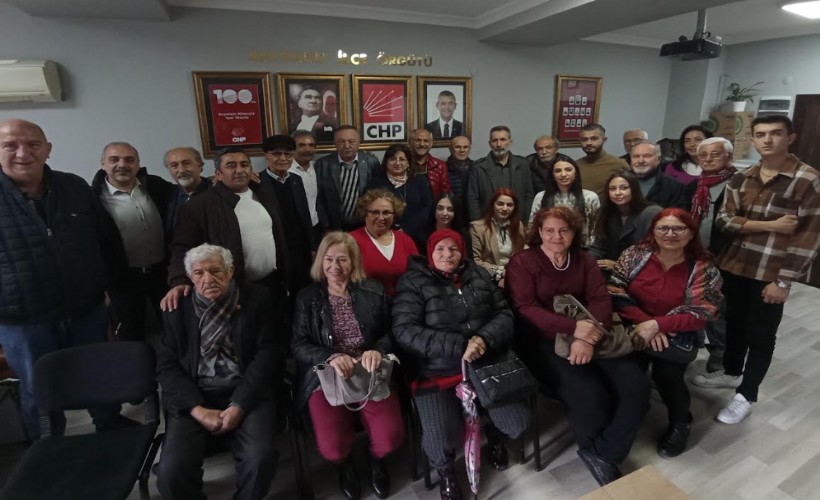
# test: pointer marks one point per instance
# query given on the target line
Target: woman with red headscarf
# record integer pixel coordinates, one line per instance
(447, 309)
(669, 288)
(498, 235)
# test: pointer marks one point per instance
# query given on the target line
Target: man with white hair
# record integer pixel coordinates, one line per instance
(632, 137)
(215, 364)
(715, 160)
(656, 186)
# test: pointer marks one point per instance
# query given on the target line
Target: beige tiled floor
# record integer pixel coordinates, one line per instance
(773, 455)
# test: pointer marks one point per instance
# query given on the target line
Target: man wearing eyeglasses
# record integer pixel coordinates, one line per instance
(632, 137)
(715, 161)
(772, 211)
(289, 192)
(656, 186)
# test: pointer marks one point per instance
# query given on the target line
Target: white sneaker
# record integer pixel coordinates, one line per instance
(735, 410)
(717, 380)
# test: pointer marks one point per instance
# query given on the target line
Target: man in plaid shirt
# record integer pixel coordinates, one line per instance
(773, 212)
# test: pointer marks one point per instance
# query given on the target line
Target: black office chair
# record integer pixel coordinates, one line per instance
(102, 465)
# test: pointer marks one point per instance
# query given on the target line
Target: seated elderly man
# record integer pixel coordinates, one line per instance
(215, 365)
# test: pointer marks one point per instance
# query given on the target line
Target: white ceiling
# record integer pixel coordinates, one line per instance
(647, 23)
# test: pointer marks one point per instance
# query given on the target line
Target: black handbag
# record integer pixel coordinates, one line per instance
(682, 349)
(501, 378)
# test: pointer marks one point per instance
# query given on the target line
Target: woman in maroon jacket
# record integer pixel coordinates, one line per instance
(606, 398)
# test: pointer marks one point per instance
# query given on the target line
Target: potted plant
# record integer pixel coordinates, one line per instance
(738, 95)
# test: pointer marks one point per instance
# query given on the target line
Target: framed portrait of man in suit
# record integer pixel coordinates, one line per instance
(445, 107)
(313, 102)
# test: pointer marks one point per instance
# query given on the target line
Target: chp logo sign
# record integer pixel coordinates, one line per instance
(236, 114)
(383, 111)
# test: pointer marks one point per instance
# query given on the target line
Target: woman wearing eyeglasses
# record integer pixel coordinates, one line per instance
(669, 288)
(412, 189)
(384, 250)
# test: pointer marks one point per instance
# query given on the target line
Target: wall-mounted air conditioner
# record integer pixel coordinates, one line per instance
(29, 81)
(776, 105)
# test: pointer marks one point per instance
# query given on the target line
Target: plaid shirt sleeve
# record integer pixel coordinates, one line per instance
(768, 256)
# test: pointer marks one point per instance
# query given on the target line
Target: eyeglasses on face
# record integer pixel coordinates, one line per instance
(281, 154)
(711, 156)
(675, 229)
(384, 213)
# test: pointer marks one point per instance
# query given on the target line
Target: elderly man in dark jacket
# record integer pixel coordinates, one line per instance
(447, 309)
(215, 365)
(57, 248)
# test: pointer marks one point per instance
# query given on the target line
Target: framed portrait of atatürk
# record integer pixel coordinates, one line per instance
(313, 102)
(577, 102)
(234, 109)
(382, 109)
(445, 107)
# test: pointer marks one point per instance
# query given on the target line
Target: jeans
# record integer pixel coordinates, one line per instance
(751, 329)
(25, 344)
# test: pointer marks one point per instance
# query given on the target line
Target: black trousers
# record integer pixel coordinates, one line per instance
(606, 399)
(141, 286)
(671, 386)
(180, 466)
(751, 329)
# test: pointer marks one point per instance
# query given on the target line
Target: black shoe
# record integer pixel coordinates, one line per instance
(673, 443)
(349, 481)
(379, 478)
(498, 457)
(448, 486)
(603, 471)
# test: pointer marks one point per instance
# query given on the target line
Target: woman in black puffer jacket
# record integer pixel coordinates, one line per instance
(447, 309)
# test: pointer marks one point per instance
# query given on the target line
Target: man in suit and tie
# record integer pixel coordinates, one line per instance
(341, 178)
(445, 127)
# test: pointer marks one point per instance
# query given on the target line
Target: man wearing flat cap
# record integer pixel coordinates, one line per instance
(289, 191)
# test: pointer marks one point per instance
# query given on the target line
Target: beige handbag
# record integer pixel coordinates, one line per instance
(355, 392)
(614, 343)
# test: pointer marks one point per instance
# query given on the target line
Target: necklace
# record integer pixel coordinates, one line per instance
(566, 264)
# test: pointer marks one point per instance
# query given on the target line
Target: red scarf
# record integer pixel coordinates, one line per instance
(703, 198)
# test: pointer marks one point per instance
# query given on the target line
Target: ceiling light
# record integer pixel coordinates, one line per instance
(810, 10)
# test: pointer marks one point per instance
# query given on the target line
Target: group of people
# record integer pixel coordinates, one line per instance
(346, 259)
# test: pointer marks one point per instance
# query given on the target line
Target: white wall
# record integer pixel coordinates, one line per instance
(132, 80)
(788, 66)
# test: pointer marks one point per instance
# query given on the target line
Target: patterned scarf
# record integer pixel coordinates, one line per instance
(703, 198)
(215, 323)
(397, 181)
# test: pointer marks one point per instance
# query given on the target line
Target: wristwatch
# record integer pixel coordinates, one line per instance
(785, 285)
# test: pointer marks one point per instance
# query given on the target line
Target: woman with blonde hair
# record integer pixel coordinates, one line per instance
(343, 319)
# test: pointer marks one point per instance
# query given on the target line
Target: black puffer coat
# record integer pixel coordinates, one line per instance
(433, 319)
(312, 335)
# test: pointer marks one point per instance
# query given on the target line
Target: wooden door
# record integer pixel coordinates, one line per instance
(807, 148)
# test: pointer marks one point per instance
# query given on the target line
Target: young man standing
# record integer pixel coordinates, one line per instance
(773, 212)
